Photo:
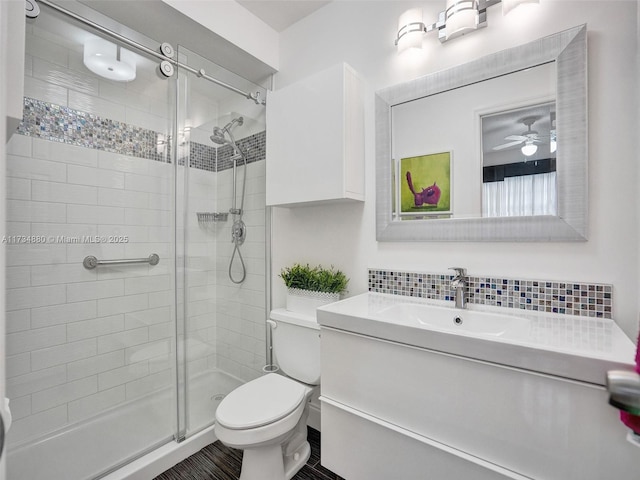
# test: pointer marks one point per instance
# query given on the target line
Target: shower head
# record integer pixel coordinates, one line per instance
(219, 133)
(218, 136)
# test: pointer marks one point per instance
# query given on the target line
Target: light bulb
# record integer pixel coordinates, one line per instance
(529, 149)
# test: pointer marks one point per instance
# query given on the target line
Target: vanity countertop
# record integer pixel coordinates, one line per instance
(574, 347)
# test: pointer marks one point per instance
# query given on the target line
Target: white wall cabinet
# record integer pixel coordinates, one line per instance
(315, 140)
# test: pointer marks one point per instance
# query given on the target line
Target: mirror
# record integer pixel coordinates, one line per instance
(453, 146)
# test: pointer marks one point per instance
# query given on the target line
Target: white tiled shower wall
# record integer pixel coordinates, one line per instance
(80, 341)
(241, 308)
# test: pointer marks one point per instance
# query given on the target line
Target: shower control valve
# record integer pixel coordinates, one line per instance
(238, 232)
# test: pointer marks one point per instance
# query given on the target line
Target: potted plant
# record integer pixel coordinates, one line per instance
(311, 287)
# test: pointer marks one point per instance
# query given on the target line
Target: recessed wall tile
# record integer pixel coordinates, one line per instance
(63, 193)
(17, 277)
(62, 314)
(63, 233)
(97, 106)
(64, 153)
(94, 365)
(28, 297)
(28, 211)
(20, 407)
(129, 303)
(148, 384)
(95, 327)
(19, 145)
(69, 352)
(121, 376)
(95, 214)
(36, 169)
(18, 188)
(38, 424)
(97, 403)
(77, 292)
(144, 318)
(40, 47)
(36, 381)
(60, 273)
(62, 394)
(46, 92)
(122, 198)
(121, 340)
(54, 74)
(35, 254)
(95, 176)
(18, 320)
(18, 365)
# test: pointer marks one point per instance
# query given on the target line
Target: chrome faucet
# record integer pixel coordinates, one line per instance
(459, 283)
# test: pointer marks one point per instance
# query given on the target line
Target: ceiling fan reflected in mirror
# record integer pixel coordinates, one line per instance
(528, 139)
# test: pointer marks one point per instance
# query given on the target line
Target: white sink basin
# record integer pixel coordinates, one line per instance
(580, 348)
(456, 320)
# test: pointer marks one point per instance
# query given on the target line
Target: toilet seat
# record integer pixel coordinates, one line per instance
(260, 402)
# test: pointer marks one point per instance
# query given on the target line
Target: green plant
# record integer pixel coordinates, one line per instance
(316, 279)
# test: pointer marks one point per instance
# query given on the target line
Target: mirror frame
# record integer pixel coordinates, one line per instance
(569, 50)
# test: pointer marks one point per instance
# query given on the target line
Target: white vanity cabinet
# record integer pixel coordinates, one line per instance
(392, 410)
(315, 140)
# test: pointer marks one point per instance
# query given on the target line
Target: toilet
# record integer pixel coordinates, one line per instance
(267, 417)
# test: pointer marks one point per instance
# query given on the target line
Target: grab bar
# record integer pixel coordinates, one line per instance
(90, 262)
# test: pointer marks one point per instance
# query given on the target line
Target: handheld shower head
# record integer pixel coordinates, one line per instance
(218, 136)
(219, 133)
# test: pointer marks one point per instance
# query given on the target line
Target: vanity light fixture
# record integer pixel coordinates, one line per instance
(410, 30)
(458, 18)
(109, 60)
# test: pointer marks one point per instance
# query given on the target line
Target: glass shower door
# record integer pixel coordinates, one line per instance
(90, 351)
(221, 320)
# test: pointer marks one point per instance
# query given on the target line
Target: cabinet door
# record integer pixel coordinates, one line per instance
(315, 140)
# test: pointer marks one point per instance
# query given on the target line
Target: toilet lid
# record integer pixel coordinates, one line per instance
(260, 402)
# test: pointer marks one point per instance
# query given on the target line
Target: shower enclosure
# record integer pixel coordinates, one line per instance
(110, 353)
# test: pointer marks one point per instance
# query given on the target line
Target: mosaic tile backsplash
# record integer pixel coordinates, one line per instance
(67, 125)
(571, 298)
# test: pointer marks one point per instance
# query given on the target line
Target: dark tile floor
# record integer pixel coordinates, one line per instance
(219, 462)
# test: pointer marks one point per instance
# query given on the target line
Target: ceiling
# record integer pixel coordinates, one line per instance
(281, 14)
(497, 127)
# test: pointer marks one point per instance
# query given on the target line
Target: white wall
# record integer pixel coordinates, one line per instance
(236, 24)
(362, 33)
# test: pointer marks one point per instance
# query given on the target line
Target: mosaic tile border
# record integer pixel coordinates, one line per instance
(66, 125)
(254, 146)
(571, 298)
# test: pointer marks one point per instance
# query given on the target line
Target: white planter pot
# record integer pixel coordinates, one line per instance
(305, 302)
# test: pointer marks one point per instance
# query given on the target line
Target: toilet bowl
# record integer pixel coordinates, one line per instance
(267, 417)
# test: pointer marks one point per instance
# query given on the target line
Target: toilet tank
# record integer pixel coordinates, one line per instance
(296, 345)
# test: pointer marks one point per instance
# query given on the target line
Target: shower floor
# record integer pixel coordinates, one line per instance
(91, 448)
(219, 462)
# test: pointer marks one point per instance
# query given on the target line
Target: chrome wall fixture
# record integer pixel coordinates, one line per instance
(458, 18)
